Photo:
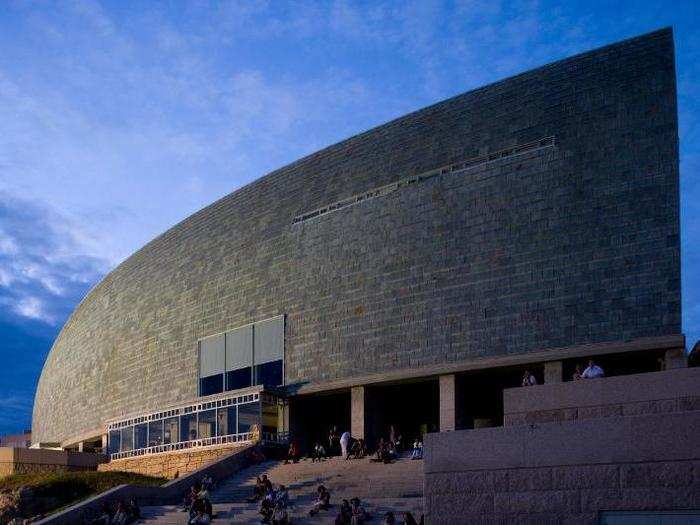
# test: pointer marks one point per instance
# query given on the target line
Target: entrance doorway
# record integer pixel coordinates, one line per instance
(312, 416)
(412, 408)
(479, 394)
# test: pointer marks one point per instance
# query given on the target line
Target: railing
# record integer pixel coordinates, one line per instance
(181, 445)
(277, 438)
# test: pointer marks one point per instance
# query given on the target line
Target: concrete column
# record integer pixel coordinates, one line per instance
(553, 372)
(448, 403)
(676, 358)
(80, 446)
(283, 418)
(357, 412)
(104, 443)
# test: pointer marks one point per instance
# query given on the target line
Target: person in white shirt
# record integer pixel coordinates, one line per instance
(592, 371)
(344, 441)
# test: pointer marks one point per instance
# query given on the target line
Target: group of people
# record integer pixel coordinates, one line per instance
(197, 503)
(122, 514)
(592, 371)
(273, 501)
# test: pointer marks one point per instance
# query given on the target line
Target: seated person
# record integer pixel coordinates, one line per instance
(323, 500)
(358, 449)
(528, 379)
(359, 515)
(593, 371)
(121, 517)
(189, 498)
(577, 373)
(345, 515)
(282, 496)
(200, 513)
(267, 508)
(319, 453)
(134, 509)
(280, 515)
(389, 518)
(417, 452)
(293, 453)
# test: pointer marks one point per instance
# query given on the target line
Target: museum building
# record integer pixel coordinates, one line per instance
(404, 277)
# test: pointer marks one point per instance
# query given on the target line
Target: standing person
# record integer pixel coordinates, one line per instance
(593, 371)
(344, 441)
(333, 441)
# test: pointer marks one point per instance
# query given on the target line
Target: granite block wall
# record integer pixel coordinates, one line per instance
(568, 244)
(651, 393)
(564, 472)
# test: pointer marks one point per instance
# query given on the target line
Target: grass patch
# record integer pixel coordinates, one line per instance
(55, 490)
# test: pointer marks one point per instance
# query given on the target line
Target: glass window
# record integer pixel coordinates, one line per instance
(211, 385)
(171, 430)
(140, 436)
(227, 421)
(207, 424)
(127, 439)
(114, 441)
(188, 427)
(269, 374)
(236, 379)
(155, 433)
(248, 415)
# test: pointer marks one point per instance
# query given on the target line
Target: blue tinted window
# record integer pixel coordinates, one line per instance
(114, 441)
(236, 379)
(211, 385)
(248, 415)
(188, 427)
(155, 433)
(269, 374)
(228, 423)
(127, 439)
(140, 436)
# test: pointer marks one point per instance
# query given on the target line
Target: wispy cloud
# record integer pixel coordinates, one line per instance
(117, 120)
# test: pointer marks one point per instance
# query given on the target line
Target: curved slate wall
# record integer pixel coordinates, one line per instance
(568, 244)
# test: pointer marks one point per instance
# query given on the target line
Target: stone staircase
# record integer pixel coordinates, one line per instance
(397, 487)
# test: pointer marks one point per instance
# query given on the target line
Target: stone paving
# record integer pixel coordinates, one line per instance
(397, 487)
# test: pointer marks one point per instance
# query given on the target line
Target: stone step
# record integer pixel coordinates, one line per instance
(396, 486)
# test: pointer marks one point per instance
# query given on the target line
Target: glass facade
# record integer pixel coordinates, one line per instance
(206, 426)
(249, 355)
(219, 421)
(155, 433)
(140, 436)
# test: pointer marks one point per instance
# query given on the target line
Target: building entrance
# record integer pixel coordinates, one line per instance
(312, 417)
(411, 408)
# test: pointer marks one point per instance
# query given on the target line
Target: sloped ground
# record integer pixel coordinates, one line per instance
(397, 487)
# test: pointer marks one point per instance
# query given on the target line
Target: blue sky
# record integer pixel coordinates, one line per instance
(118, 119)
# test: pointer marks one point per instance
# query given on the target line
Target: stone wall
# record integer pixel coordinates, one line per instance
(573, 243)
(173, 464)
(29, 461)
(650, 393)
(563, 472)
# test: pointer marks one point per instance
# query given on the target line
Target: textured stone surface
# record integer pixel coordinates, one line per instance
(564, 472)
(651, 393)
(578, 243)
(171, 465)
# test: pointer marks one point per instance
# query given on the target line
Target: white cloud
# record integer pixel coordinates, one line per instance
(33, 308)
